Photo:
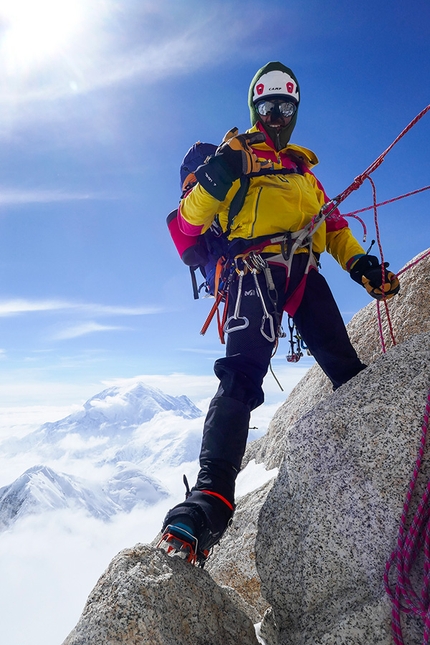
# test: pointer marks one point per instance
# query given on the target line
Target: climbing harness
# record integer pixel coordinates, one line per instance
(270, 327)
(290, 242)
(263, 265)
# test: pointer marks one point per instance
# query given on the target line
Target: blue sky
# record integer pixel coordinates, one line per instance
(98, 104)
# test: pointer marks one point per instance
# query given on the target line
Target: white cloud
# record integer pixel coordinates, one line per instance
(83, 329)
(21, 306)
(11, 196)
(51, 562)
(34, 393)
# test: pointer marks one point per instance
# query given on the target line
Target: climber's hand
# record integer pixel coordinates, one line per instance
(237, 154)
(232, 159)
(375, 278)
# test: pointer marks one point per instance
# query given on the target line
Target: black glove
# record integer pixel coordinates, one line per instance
(233, 158)
(367, 271)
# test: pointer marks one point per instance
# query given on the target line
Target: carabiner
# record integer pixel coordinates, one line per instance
(236, 317)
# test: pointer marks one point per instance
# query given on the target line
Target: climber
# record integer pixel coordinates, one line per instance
(275, 259)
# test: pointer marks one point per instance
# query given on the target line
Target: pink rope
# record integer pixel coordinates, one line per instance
(409, 543)
(361, 222)
(412, 264)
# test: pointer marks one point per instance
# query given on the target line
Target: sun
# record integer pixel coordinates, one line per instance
(34, 31)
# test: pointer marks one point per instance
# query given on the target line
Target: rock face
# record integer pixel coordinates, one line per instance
(146, 597)
(233, 561)
(409, 314)
(331, 519)
(326, 525)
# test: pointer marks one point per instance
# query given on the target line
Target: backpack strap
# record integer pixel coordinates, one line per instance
(194, 282)
(277, 171)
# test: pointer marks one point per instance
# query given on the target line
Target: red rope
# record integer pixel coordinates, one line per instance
(387, 201)
(409, 542)
(358, 181)
(378, 302)
(373, 166)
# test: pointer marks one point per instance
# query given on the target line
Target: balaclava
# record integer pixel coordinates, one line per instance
(274, 80)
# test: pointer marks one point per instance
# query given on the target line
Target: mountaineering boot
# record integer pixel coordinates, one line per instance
(194, 526)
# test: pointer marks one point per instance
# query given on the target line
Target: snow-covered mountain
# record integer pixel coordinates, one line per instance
(124, 435)
(109, 419)
(42, 489)
(115, 412)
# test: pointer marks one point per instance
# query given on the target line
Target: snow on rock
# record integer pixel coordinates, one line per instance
(146, 596)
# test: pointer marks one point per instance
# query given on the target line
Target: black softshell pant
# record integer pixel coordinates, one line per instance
(247, 359)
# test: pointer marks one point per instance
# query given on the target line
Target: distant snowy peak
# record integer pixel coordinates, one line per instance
(118, 409)
(42, 489)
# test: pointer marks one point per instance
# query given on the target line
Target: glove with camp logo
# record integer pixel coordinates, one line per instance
(233, 159)
(367, 271)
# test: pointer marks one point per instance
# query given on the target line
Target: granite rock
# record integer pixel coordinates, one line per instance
(233, 561)
(146, 597)
(331, 519)
(410, 315)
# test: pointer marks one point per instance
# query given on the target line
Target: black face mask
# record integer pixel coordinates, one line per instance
(275, 116)
(278, 131)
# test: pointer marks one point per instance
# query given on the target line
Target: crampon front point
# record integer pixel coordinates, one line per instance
(176, 541)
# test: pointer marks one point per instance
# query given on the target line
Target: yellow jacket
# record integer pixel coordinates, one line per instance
(274, 203)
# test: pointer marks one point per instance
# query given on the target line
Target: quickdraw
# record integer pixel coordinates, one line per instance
(242, 321)
(295, 353)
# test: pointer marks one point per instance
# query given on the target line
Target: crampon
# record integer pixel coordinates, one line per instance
(176, 541)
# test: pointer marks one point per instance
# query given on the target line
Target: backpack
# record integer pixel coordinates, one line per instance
(207, 252)
(199, 252)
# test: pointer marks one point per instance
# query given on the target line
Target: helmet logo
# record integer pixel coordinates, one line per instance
(275, 83)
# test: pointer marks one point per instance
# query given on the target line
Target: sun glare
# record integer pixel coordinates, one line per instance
(33, 31)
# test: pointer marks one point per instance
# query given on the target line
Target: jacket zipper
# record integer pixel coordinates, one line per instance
(256, 212)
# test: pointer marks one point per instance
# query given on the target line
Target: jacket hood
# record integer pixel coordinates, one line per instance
(259, 88)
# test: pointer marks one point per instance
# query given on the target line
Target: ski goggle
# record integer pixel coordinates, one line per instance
(284, 108)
